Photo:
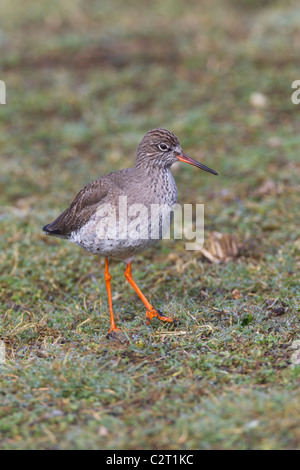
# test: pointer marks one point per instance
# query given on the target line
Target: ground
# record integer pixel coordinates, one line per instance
(85, 81)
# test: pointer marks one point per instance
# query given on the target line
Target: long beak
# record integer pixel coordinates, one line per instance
(184, 158)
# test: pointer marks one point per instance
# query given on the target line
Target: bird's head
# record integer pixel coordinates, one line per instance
(161, 148)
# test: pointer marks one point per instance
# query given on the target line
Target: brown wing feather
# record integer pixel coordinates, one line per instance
(80, 210)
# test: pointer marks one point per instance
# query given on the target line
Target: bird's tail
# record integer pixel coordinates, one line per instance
(49, 231)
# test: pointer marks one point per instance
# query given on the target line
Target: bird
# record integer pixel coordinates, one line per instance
(103, 219)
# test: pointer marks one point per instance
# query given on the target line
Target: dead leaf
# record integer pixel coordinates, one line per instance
(221, 247)
(236, 294)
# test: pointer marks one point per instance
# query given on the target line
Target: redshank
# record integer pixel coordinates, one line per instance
(88, 222)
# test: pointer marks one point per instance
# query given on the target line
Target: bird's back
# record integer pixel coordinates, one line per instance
(86, 203)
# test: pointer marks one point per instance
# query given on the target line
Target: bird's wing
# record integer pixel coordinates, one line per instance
(81, 209)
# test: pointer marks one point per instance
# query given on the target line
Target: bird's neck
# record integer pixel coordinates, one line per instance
(151, 170)
(158, 183)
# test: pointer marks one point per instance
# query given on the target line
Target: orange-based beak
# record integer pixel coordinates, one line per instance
(184, 158)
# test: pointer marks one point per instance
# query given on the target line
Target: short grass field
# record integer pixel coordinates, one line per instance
(85, 80)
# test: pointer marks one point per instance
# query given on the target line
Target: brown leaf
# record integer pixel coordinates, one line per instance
(236, 294)
(221, 247)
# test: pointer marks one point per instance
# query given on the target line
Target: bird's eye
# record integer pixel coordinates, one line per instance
(163, 147)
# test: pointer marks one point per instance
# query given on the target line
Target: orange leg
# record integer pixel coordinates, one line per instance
(107, 277)
(151, 312)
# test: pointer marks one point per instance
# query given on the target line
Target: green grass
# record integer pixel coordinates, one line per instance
(84, 82)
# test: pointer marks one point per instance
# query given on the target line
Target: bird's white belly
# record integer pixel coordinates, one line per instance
(124, 236)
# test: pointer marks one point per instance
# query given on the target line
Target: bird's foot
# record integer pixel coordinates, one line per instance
(150, 314)
(116, 334)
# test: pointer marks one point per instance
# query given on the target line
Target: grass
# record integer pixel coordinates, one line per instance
(84, 82)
